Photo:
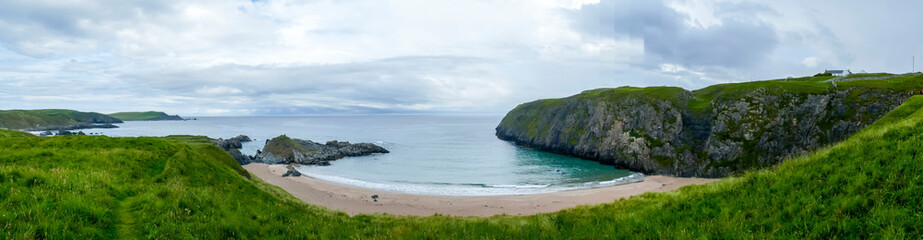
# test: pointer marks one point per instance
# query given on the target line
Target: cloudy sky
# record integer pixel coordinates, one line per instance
(267, 57)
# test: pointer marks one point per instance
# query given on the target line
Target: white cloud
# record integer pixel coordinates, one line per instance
(810, 62)
(290, 57)
(220, 90)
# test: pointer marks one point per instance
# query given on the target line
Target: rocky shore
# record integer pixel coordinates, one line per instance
(77, 126)
(285, 150)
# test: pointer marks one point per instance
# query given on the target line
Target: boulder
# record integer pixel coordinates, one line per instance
(292, 172)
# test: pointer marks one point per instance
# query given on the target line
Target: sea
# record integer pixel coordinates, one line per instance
(429, 154)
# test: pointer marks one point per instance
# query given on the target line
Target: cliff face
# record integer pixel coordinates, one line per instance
(711, 132)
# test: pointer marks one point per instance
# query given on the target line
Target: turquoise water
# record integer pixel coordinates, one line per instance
(433, 155)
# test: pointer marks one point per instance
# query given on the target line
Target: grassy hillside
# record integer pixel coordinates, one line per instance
(25, 119)
(144, 116)
(184, 187)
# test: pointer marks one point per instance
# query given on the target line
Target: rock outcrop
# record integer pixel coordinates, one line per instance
(285, 150)
(231, 143)
(713, 132)
(232, 146)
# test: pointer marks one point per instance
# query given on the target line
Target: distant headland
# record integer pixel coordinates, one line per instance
(65, 119)
(145, 116)
(54, 119)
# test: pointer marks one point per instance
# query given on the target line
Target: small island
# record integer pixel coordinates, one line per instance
(146, 116)
(285, 150)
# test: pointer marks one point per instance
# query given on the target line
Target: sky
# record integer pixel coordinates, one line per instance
(267, 57)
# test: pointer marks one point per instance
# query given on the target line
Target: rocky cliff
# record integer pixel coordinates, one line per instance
(711, 132)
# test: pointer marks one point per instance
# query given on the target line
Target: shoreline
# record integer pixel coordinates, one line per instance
(356, 200)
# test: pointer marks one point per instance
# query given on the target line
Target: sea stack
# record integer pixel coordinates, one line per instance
(285, 150)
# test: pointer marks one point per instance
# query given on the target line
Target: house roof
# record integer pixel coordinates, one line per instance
(834, 71)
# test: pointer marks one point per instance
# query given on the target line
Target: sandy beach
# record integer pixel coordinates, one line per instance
(355, 200)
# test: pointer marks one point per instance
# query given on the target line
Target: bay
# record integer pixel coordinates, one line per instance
(430, 154)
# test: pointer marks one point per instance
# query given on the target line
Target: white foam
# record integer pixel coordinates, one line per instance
(472, 189)
(518, 186)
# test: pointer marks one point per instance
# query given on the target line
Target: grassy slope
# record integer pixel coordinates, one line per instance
(23, 119)
(138, 116)
(702, 98)
(184, 187)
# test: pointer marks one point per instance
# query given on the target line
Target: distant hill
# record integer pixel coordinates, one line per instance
(145, 116)
(54, 119)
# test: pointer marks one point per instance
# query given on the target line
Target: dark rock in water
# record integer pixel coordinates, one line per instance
(232, 146)
(231, 143)
(46, 133)
(285, 150)
(292, 172)
(361, 149)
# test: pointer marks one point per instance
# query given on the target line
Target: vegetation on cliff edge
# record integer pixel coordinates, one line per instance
(144, 116)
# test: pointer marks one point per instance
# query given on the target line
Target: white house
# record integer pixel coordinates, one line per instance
(838, 73)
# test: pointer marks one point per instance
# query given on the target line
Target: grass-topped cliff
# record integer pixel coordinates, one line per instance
(183, 187)
(51, 119)
(144, 116)
(712, 132)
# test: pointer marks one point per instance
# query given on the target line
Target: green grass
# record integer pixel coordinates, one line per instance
(181, 187)
(15, 134)
(703, 98)
(732, 91)
(621, 93)
(25, 119)
(140, 116)
(282, 147)
(858, 75)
